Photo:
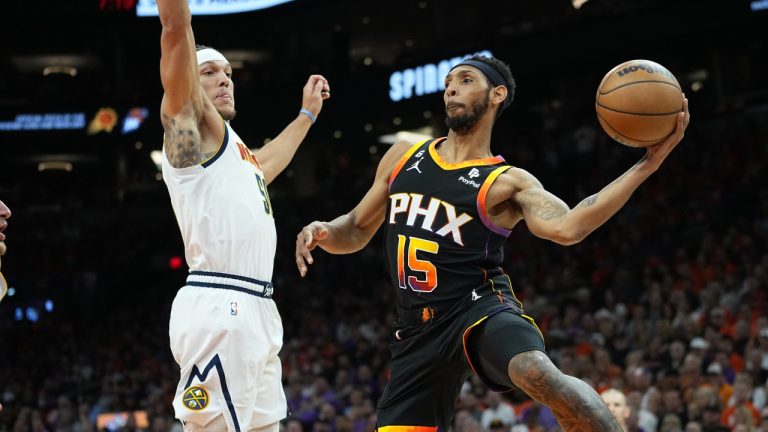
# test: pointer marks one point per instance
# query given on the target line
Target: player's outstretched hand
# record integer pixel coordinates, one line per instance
(316, 90)
(658, 152)
(306, 241)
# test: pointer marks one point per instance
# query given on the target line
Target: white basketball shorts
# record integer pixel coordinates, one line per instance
(226, 334)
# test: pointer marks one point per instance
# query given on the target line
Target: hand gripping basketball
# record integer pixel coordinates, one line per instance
(657, 153)
(637, 103)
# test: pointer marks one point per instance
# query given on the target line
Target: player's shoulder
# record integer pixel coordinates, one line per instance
(393, 156)
(400, 148)
(518, 178)
(508, 183)
(396, 152)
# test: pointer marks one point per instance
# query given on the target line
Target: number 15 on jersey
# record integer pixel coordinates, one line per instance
(413, 245)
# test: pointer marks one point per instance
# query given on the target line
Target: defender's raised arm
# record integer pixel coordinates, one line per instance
(178, 64)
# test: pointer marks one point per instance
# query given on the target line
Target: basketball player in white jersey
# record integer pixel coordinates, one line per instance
(225, 330)
(5, 213)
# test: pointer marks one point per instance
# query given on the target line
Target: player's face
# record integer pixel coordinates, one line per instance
(5, 213)
(216, 79)
(467, 98)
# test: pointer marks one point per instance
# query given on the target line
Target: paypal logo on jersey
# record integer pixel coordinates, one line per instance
(473, 173)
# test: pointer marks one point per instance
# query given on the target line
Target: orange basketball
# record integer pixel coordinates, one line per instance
(637, 103)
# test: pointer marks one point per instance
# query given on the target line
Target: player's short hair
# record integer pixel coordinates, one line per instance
(503, 69)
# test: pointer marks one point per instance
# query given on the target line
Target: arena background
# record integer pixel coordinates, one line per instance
(94, 251)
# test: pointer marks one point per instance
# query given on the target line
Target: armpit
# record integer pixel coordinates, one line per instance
(182, 142)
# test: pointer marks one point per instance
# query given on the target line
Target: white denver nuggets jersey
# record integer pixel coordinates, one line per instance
(223, 210)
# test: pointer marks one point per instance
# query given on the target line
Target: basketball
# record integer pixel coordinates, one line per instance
(637, 103)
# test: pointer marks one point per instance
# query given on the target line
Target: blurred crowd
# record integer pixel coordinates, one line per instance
(665, 303)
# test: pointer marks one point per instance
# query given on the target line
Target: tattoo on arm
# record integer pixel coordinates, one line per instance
(182, 143)
(542, 205)
(588, 201)
(537, 202)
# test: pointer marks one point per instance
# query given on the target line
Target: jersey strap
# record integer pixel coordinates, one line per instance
(481, 208)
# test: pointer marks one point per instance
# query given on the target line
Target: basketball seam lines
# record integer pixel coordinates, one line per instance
(636, 113)
(626, 136)
(640, 82)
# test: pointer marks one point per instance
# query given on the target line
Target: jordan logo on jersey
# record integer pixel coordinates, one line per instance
(410, 204)
(416, 166)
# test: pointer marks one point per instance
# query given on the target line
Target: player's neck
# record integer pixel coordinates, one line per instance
(476, 144)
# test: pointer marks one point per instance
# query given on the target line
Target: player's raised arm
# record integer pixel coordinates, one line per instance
(550, 218)
(276, 155)
(178, 63)
(182, 102)
(351, 232)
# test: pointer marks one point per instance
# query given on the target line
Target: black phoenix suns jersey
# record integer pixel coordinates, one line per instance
(440, 242)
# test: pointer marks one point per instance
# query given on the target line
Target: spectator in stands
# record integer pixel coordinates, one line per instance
(617, 403)
(497, 410)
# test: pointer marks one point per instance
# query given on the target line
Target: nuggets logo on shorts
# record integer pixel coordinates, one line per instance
(195, 398)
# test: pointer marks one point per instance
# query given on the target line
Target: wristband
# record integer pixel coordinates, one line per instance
(309, 114)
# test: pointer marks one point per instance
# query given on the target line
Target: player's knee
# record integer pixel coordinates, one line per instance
(532, 369)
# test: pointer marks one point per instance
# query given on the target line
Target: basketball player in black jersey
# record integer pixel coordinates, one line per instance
(449, 205)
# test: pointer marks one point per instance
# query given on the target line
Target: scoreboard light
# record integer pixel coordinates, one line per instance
(146, 8)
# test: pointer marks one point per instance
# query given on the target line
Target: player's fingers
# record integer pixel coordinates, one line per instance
(318, 87)
(309, 244)
(303, 257)
(306, 237)
(301, 265)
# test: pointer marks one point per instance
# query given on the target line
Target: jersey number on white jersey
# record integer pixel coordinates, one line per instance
(264, 194)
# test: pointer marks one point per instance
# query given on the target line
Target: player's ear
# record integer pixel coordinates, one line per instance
(499, 94)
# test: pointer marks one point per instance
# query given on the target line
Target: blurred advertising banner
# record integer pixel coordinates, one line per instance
(104, 120)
